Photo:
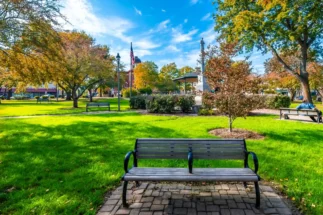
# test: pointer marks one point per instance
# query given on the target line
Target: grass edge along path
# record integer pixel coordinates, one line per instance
(65, 165)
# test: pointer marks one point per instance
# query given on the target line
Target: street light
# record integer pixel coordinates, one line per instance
(118, 67)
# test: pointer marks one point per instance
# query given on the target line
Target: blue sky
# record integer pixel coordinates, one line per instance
(161, 31)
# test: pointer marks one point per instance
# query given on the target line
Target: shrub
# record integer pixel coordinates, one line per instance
(44, 97)
(146, 90)
(36, 97)
(52, 96)
(185, 103)
(206, 112)
(126, 93)
(138, 102)
(277, 101)
(161, 103)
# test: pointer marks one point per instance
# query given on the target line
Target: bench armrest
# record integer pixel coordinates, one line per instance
(126, 160)
(255, 161)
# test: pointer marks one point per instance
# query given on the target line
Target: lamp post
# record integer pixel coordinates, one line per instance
(205, 87)
(118, 67)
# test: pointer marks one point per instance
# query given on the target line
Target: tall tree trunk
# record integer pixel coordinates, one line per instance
(100, 92)
(306, 88)
(90, 92)
(75, 98)
(68, 96)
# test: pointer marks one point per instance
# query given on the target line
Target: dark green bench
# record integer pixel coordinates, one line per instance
(190, 150)
(97, 105)
(285, 112)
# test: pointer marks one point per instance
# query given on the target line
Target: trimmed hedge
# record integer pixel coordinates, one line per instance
(277, 101)
(146, 90)
(138, 102)
(163, 103)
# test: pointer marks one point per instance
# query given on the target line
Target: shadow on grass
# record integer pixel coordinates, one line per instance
(65, 168)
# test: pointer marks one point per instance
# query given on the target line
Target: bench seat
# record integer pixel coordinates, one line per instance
(182, 174)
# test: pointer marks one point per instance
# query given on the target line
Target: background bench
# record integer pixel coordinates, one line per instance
(190, 150)
(285, 112)
(98, 105)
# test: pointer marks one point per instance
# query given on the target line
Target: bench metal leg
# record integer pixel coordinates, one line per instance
(245, 184)
(257, 194)
(124, 194)
(137, 183)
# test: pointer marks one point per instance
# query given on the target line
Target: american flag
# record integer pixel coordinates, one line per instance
(132, 56)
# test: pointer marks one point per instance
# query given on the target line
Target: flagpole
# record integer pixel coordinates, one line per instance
(130, 77)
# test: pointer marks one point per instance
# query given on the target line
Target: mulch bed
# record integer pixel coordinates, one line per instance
(236, 133)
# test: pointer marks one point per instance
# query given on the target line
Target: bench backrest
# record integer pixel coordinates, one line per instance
(98, 104)
(201, 148)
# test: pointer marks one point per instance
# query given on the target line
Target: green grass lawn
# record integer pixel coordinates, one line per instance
(30, 107)
(55, 165)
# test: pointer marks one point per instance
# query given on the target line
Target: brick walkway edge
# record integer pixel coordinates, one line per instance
(175, 198)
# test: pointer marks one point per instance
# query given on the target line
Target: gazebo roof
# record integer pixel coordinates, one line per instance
(188, 77)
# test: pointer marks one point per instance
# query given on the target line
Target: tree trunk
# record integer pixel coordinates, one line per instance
(320, 92)
(75, 98)
(90, 92)
(292, 94)
(100, 92)
(9, 95)
(68, 96)
(306, 88)
(230, 124)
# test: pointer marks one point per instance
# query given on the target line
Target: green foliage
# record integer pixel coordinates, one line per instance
(126, 92)
(146, 90)
(45, 97)
(52, 96)
(206, 112)
(277, 101)
(36, 97)
(161, 103)
(167, 103)
(138, 102)
(186, 103)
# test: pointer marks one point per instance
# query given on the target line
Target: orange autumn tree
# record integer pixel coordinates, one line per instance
(233, 83)
(145, 75)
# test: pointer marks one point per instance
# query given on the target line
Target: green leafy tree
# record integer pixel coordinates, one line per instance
(276, 26)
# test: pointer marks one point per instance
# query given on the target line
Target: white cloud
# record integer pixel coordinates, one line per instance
(137, 11)
(145, 43)
(206, 17)
(81, 16)
(164, 11)
(209, 35)
(160, 27)
(185, 20)
(194, 1)
(185, 59)
(179, 37)
(172, 48)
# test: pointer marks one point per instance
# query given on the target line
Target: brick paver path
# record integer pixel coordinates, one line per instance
(179, 198)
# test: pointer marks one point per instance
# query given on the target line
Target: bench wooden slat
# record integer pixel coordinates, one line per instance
(199, 174)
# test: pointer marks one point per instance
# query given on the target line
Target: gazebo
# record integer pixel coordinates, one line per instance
(191, 77)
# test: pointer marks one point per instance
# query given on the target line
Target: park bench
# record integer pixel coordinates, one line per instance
(190, 150)
(40, 100)
(97, 105)
(285, 112)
